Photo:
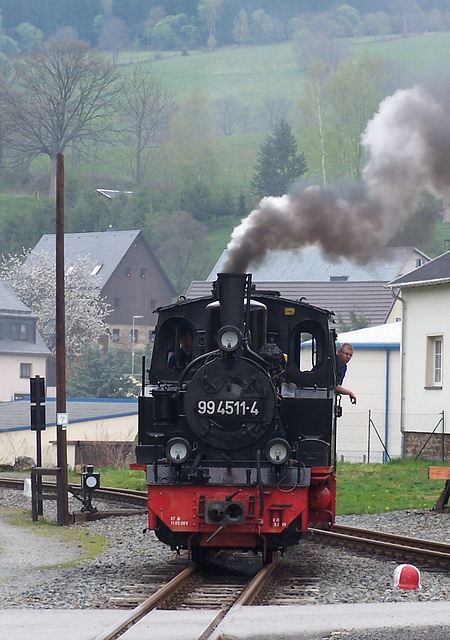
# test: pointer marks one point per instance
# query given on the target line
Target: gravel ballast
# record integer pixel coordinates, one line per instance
(30, 579)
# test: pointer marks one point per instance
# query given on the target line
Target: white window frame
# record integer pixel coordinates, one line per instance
(437, 361)
(434, 361)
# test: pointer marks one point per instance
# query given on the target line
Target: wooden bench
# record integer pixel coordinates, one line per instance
(441, 473)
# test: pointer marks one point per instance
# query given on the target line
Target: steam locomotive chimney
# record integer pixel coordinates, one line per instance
(231, 293)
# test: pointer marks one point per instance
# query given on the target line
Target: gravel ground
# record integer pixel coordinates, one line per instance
(28, 580)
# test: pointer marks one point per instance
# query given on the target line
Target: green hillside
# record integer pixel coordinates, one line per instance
(250, 74)
(417, 55)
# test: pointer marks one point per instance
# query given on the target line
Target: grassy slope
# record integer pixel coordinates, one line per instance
(418, 55)
(250, 73)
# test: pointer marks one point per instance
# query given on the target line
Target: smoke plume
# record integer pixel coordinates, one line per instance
(408, 148)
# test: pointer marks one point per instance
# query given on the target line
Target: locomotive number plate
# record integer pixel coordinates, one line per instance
(247, 408)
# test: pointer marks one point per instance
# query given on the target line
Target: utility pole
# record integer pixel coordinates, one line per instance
(61, 421)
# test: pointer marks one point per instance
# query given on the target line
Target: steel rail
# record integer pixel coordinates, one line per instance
(106, 493)
(217, 626)
(420, 543)
(149, 604)
(439, 552)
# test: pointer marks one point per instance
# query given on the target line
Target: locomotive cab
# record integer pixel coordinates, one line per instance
(239, 446)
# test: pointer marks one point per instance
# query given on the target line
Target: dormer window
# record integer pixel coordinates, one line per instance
(19, 331)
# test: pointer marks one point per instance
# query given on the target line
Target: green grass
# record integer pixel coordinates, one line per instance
(249, 73)
(417, 54)
(380, 488)
(361, 488)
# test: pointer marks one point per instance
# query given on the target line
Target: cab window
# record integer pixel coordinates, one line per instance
(309, 346)
(170, 337)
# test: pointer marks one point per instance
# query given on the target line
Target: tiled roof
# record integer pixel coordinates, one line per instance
(10, 303)
(371, 299)
(107, 248)
(437, 271)
(310, 265)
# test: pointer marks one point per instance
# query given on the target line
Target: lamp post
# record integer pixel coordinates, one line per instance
(132, 344)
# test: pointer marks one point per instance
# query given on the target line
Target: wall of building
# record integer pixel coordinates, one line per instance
(22, 441)
(426, 314)
(11, 383)
(370, 373)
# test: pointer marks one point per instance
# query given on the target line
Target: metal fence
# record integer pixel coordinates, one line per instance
(371, 436)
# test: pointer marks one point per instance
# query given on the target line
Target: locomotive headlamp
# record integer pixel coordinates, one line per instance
(229, 338)
(178, 450)
(278, 450)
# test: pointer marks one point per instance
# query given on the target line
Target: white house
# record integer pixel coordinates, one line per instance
(370, 430)
(23, 353)
(425, 294)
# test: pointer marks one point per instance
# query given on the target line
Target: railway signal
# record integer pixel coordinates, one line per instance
(90, 481)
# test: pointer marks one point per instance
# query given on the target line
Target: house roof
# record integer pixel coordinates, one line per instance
(309, 264)
(16, 415)
(383, 336)
(371, 299)
(10, 304)
(106, 248)
(437, 271)
(16, 347)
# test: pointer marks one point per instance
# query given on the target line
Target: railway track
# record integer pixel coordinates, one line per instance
(125, 496)
(432, 553)
(195, 588)
(436, 554)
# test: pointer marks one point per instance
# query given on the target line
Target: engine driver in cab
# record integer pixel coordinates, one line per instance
(181, 358)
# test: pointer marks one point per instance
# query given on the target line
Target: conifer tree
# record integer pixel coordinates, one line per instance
(279, 163)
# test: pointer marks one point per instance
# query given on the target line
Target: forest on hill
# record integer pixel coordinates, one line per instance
(196, 110)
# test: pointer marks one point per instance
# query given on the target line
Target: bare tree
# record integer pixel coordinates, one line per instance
(274, 109)
(146, 109)
(113, 36)
(63, 95)
(241, 31)
(209, 11)
(313, 108)
(229, 114)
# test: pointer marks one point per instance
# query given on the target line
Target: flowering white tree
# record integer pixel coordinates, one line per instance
(32, 276)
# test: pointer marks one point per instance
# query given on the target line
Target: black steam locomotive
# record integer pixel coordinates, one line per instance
(239, 446)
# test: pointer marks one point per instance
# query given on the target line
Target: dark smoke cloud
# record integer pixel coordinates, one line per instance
(408, 145)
